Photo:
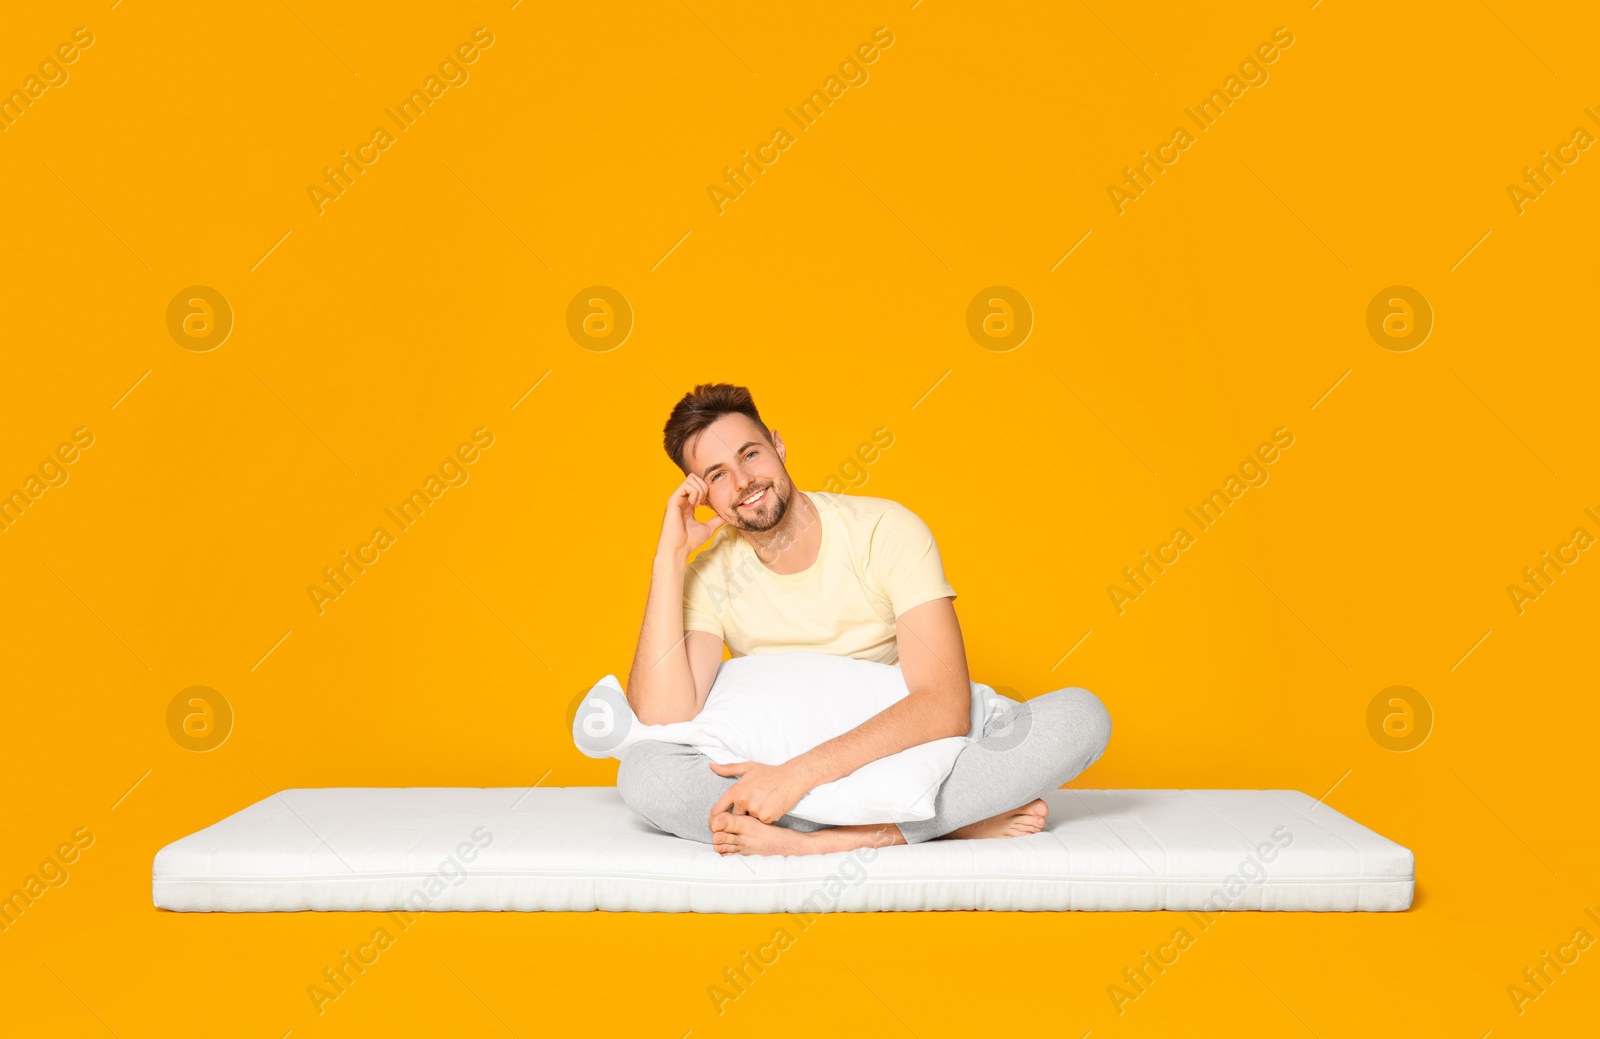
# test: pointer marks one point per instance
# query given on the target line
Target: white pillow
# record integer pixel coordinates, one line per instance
(771, 707)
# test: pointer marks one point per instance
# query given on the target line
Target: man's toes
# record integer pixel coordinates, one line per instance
(1027, 821)
(729, 837)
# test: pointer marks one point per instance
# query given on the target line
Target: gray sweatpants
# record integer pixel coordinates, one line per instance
(1039, 745)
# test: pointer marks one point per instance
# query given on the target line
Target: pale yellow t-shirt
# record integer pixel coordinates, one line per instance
(877, 560)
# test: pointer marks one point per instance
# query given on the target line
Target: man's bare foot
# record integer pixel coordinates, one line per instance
(746, 835)
(1019, 822)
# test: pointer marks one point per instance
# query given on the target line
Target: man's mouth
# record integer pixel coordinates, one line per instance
(754, 500)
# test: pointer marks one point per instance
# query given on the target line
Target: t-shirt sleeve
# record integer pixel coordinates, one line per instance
(905, 561)
(699, 613)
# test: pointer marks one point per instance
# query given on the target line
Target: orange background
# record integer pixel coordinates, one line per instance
(430, 298)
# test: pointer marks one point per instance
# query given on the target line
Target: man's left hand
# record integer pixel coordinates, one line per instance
(766, 792)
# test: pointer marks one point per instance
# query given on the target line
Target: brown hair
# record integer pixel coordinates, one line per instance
(708, 402)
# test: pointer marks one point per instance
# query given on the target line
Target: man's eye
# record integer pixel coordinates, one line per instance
(715, 477)
(749, 453)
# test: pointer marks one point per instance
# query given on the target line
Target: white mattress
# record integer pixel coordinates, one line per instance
(582, 849)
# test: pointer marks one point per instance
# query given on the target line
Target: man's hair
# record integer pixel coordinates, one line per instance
(708, 402)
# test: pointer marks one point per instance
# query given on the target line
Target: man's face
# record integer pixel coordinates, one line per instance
(735, 460)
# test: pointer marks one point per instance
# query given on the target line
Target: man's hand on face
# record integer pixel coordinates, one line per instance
(764, 792)
(681, 532)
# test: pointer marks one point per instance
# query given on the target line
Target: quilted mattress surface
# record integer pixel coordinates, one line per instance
(581, 849)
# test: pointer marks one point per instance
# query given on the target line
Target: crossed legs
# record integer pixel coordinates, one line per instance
(993, 790)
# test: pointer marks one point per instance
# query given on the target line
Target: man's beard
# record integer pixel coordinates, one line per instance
(767, 514)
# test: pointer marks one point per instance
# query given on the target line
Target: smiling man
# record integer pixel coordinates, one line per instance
(827, 573)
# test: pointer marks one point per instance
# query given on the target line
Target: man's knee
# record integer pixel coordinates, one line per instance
(641, 778)
(1079, 720)
(653, 782)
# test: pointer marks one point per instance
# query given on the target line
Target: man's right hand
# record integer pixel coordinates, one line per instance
(680, 530)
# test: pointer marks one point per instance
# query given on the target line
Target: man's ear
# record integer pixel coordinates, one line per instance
(777, 444)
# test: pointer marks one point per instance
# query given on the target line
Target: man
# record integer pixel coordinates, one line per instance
(830, 573)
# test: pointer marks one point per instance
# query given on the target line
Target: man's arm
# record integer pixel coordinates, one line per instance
(673, 669)
(933, 659)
